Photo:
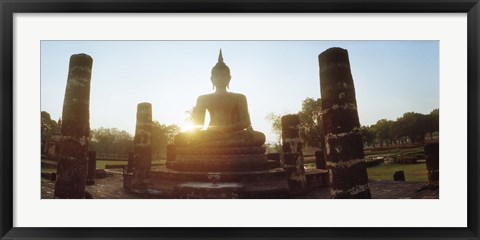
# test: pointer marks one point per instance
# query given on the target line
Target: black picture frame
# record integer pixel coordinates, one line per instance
(9, 7)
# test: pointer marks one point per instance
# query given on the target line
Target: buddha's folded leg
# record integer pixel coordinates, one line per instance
(258, 138)
(212, 139)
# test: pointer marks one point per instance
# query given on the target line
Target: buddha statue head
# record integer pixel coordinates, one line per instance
(220, 74)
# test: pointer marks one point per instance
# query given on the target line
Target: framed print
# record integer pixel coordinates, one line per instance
(263, 120)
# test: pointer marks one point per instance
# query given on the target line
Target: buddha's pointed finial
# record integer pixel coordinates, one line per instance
(220, 66)
(220, 57)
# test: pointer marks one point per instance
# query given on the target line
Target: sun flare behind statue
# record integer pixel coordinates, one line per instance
(187, 127)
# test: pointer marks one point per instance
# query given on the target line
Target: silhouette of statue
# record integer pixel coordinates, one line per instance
(230, 124)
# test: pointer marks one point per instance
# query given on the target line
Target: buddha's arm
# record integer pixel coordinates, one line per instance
(243, 113)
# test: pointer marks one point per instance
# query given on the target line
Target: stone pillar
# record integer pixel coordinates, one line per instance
(142, 144)
(92, 167)
(130, 162)
(171, 152)
(320, 160)
(432, 159)
(343, 142)
(292, 153)
(73, 154)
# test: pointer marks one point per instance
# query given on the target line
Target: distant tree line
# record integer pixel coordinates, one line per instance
(410, 128)
(118, 143)
(112, 142)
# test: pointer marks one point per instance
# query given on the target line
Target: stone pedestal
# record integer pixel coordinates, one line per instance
(92, 167)
(432, 159)
(224, 159)
(343, 142)
(209, 172)
(169, 183)
(73, 154)
(142, 156)
(292, 153)
(215, 172)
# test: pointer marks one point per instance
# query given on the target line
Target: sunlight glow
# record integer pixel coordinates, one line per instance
(187, 127)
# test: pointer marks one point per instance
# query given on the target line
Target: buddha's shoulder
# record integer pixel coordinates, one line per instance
(237, 95)
(206, 97)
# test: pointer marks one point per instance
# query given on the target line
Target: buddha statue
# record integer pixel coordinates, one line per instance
(229, 124)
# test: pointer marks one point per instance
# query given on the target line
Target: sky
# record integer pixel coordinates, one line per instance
(390, 77)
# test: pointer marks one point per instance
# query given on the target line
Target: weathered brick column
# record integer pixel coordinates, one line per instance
(320, 160)
(292, 153)
(432, 158)
(73, 154)
(130, 162)
(142, 159)
(343, 142)
(92, 167)
(171, 152)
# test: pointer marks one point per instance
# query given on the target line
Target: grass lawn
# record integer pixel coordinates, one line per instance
(101, 164)
(395, 152)
(49, 170)
(413, 172)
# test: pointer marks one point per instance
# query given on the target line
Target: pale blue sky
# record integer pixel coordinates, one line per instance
(390, 77)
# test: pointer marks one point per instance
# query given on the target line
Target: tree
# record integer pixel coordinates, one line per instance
(276, 121)
(414, 126)
(382, 130)
(189, 114)
(368, 135)
(433, 122)
(110, 141)
(162, 135)
(397, 131)
(311, 128)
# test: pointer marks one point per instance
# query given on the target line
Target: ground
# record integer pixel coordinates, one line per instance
(111, 187)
